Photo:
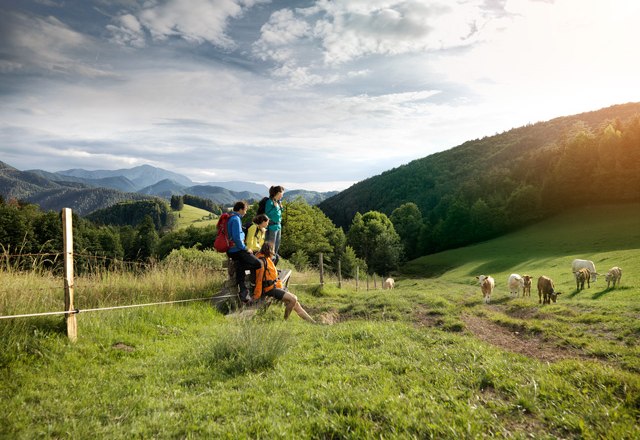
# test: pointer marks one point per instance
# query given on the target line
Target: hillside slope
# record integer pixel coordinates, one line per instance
(493, 167)
(609, 235)
(488, 187)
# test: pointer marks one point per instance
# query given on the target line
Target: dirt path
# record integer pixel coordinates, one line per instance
(528, 345)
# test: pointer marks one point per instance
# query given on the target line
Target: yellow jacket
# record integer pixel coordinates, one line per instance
(255, 238)
(266, 277)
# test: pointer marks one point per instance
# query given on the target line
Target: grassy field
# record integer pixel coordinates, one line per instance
(426, 360)
(192, 216)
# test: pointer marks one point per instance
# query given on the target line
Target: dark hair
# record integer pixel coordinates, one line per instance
(260, 218)
(267, 249)
(240, 205)
(275, 190)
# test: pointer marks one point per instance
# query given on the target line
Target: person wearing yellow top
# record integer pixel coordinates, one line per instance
(256, 232)
(268, 283)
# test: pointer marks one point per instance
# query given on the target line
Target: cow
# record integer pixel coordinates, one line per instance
(582, 275)
(526, 289)
(388, 284)
(614, 275)
(546, 291)
(515, 283)
(487, 284)
(578, 264)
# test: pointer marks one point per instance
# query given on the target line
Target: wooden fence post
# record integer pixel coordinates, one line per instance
(367, 281)
(321, 270)
(357, 277)
(67, 239)
(375, 286)
(339, 275)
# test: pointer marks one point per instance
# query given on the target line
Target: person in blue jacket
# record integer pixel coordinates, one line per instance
(239, 253)
(273, 210)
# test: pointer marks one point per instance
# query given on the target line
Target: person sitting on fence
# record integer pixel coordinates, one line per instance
(268, 283)
(256, 232)
(241, 255)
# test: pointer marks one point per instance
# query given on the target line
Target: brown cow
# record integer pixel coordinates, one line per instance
(487, 284)
(582, 275)
(546, 290)
(526, 289)
(614, 274)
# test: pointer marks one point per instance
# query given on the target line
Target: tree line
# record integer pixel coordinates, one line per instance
(177, 203)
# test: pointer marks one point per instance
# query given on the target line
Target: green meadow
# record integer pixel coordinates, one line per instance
(192, 216)
(426, 360)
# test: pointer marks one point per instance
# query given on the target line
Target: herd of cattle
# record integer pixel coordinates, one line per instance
(584, 271)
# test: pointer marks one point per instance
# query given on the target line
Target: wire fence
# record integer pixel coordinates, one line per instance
(70, 259)
(129, 306)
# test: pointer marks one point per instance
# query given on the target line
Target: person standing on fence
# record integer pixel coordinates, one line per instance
(241, 255)
(273, 209)
(268, 283)
(256, 232)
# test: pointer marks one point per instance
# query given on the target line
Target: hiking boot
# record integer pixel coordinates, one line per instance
(244, 296)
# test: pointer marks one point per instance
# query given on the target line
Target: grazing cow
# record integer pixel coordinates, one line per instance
(546, 291)
(577, 264)
(487, 284)
(614, 274)
(581, 276)
(526, 289)
(515, 283)
(388, 284)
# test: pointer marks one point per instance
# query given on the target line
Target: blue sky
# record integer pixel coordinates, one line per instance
(308, 94)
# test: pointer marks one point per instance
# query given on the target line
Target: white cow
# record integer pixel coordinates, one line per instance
(487, 284)
(515, 283)
(388, 284)
(578, 264)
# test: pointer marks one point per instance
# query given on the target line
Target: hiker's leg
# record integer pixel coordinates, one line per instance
(288, 299)
(245, 261)
(276, 244)
(302, 312)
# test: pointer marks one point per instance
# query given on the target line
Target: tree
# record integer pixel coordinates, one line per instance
(349, 262)
(177, 203)
(146, 239)
(407, 221)
(306, 228)
(374, 239)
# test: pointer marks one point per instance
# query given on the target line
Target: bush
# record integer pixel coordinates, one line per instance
(194, 258)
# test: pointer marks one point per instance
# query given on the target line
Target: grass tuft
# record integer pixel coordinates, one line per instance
(248, 347)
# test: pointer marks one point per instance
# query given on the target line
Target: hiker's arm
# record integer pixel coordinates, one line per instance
(235, 227)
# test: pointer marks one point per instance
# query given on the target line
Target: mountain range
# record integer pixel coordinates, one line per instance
(86, 191)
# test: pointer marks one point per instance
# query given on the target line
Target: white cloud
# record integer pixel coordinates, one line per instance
(196, 21)
(331, 34)
(36, 44)
(127, 30)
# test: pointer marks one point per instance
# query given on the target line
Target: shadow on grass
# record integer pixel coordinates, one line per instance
(574, 293)
(600, 294)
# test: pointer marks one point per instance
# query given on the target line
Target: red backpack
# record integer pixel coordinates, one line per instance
(222, 242)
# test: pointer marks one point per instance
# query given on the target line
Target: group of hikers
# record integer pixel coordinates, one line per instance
(257, 251)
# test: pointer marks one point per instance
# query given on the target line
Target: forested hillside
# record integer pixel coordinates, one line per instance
(488, 186)
(133, 213)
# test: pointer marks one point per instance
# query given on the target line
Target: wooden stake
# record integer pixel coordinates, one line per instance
(321, 270)
(67, 239)
(357, 277)
(339, 276)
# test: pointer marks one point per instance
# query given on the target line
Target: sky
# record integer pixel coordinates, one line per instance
(313, 94)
